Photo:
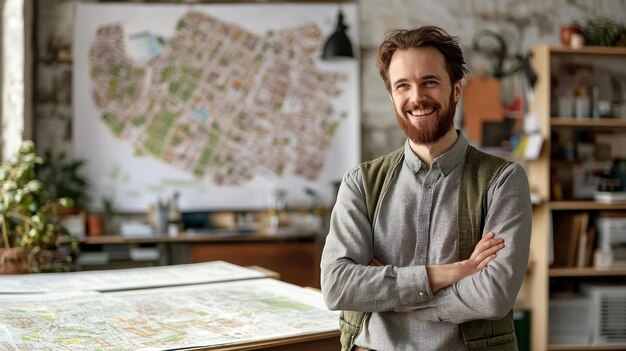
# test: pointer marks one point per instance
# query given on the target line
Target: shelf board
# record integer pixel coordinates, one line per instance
(597, 123)
(564, 347)
(586, 272)
(590, 50)
(586, 205)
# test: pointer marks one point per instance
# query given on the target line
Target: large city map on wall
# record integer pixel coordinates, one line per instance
(223, 104)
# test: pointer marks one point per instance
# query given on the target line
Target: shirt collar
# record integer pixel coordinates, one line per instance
(410, 158)
(446, 161)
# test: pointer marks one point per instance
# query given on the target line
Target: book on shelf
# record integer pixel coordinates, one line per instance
(582, 246)
(591, 240)
(567, 232)
(550, 238)
(582, 240)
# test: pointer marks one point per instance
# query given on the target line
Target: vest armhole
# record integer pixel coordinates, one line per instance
(375, 176)
(480, 170)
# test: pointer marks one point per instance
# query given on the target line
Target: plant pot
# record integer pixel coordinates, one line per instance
(566, 34)
(95, 224)
(15, 260)
(68, 211)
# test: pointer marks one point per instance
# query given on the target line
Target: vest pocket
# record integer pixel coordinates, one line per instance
(490, 334)
(504, 342)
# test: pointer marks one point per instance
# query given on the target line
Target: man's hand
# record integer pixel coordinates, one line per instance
(442, 276)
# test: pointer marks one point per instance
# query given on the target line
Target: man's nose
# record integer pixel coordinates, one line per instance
(416, 94)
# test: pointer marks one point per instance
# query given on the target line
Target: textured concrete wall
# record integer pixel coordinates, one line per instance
(54, 20)
(523, 23)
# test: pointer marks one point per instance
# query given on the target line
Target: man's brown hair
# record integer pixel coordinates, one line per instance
(433, 36)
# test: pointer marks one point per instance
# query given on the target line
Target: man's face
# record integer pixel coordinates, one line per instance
(422, 94)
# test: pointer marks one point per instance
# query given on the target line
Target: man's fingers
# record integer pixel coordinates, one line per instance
(485, 262)
(485, 245)
(485, 239)
(487, 253)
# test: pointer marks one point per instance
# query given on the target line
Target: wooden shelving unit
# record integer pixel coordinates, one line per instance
(599, 123)
(536, 290)
(586, 206)
(586, 272)
(589, 50)
(571, 347)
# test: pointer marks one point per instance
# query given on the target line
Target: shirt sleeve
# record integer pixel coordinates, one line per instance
(347, 280)
(491, 293)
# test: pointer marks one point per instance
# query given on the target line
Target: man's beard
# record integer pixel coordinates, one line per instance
(433, 128)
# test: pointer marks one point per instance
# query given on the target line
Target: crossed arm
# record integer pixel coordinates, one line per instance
(443, 275)
(455, 292)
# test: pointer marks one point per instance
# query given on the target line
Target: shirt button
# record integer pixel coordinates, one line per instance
(421, 294)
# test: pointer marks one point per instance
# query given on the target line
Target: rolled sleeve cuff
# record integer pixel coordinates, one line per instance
(413, 285)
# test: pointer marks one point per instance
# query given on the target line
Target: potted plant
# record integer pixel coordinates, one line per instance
(31, 240)
(62, 178)
(603, 31)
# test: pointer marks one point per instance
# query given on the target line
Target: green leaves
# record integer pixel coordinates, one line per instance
(34, 186)
(603, 31)
(27, 147)
(63, 179)
(27, 213)
(66, 202)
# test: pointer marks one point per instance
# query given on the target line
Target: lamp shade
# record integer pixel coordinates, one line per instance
(338, 45)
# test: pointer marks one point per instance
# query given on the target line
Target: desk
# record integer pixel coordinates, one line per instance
(225, 307)
(294, 254)
(316, 342)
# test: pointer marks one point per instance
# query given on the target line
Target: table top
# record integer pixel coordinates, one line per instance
(254, 312)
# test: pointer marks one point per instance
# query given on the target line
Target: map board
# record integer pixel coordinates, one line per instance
(126, 279)
(223, 103)
(168, 318)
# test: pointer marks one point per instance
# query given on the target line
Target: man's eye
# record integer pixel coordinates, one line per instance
(402, 86)
(430, 83)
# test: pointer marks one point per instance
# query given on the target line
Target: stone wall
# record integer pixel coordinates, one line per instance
(523, 23)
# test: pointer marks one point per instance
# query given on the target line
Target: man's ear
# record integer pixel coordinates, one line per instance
(458, 90)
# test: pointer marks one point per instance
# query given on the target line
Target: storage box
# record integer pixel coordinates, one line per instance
(568, 320)
(607, 307)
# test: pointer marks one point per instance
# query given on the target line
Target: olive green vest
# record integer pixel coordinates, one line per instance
(479, 171)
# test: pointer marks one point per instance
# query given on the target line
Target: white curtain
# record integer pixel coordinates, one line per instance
(16, 70)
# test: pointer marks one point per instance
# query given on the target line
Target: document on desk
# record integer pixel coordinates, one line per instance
(6, 340)
(206, 315)
(127, 279)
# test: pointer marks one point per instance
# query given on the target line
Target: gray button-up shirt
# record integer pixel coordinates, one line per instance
(416, 227)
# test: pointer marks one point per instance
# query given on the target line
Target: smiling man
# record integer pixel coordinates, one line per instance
(428, 245)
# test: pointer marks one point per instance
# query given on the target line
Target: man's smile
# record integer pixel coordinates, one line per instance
(423, 112)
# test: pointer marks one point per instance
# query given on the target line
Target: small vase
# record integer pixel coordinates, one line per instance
(95, 224)
(566, 34)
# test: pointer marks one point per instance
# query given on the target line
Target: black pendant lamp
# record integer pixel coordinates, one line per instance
(338, 45)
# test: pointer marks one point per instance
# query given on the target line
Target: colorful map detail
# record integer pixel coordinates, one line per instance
(217, 100)
(162, 319)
